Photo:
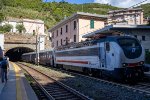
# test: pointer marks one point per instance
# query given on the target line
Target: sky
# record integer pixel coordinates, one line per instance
(117, 3)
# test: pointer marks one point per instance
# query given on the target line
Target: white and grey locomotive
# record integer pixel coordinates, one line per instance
(121, 57)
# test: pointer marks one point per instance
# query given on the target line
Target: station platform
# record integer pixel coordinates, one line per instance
(17, 87)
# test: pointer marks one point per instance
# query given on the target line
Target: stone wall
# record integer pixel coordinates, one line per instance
(13, 40)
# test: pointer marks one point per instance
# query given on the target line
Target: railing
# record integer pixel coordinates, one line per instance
(76, 45)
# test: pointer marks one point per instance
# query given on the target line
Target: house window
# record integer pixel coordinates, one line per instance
(61, 31)
(61, 41)
(57, 32)
(91, 24)
(66, 28)
(33, 32)
(75, 24)
(57, 43)
(66, 40)
(143, 38)
(74, 38)
(53, 35)
(52, 44)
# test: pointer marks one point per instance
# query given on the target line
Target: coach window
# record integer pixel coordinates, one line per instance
(143, 38)
(107, 46)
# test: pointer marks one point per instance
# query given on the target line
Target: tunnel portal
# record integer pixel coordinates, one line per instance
(15, 54)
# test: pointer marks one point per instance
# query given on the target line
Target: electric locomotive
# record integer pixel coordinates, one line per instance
(120, 57)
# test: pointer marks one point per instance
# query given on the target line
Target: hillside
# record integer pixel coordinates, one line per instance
(53, 12)
(146, 8)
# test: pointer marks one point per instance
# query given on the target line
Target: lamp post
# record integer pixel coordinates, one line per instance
(38, 41)
(37, 49)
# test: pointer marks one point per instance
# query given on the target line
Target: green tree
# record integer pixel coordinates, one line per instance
(1, 29)
(7, 27)
(1, 14)
(20, 28)
(1, 17)
(1, 4)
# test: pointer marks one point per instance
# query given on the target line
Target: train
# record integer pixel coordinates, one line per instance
(119, 57)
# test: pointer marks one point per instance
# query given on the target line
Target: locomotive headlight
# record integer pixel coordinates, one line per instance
(124, 64)
(142, 63)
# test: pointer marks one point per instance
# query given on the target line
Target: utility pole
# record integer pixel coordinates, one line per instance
(37, 47)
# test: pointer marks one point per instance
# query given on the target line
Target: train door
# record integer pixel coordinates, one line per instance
(51, 58)
(110, 56)
(102, 56)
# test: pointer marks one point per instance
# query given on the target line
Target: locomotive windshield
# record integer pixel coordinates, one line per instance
(131, 47)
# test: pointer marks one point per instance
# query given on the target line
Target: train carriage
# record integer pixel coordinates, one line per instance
(46, 57)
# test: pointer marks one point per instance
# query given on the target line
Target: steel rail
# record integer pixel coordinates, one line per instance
(61, 84)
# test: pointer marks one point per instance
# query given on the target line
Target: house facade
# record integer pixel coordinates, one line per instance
(131, 16)
(31, 26)
(74, 27)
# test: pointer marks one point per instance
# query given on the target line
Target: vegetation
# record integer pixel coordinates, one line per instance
(20, 28)
(50, 12)
(146, 9)
(53, 12)
(1, 17)
(7, 28)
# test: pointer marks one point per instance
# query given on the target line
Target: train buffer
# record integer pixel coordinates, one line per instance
(17, 87)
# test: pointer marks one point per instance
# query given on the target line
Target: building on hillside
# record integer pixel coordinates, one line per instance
(72, 28)
(131, 16)
(31, 26)
(138, 31)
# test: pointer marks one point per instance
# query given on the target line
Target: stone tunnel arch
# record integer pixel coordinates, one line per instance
(15, 53)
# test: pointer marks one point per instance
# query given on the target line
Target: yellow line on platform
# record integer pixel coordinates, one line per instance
(18, 82)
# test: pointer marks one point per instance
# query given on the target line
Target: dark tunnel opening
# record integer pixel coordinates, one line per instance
(15, 54)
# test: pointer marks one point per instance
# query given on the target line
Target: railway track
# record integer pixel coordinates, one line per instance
(53, 89)
(143, 87)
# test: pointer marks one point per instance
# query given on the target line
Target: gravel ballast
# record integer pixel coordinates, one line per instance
(93, 88)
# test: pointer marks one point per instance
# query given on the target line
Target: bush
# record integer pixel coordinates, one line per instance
(7, 27)
(20, 28)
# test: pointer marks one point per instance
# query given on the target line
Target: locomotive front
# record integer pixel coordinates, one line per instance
(132, 58)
